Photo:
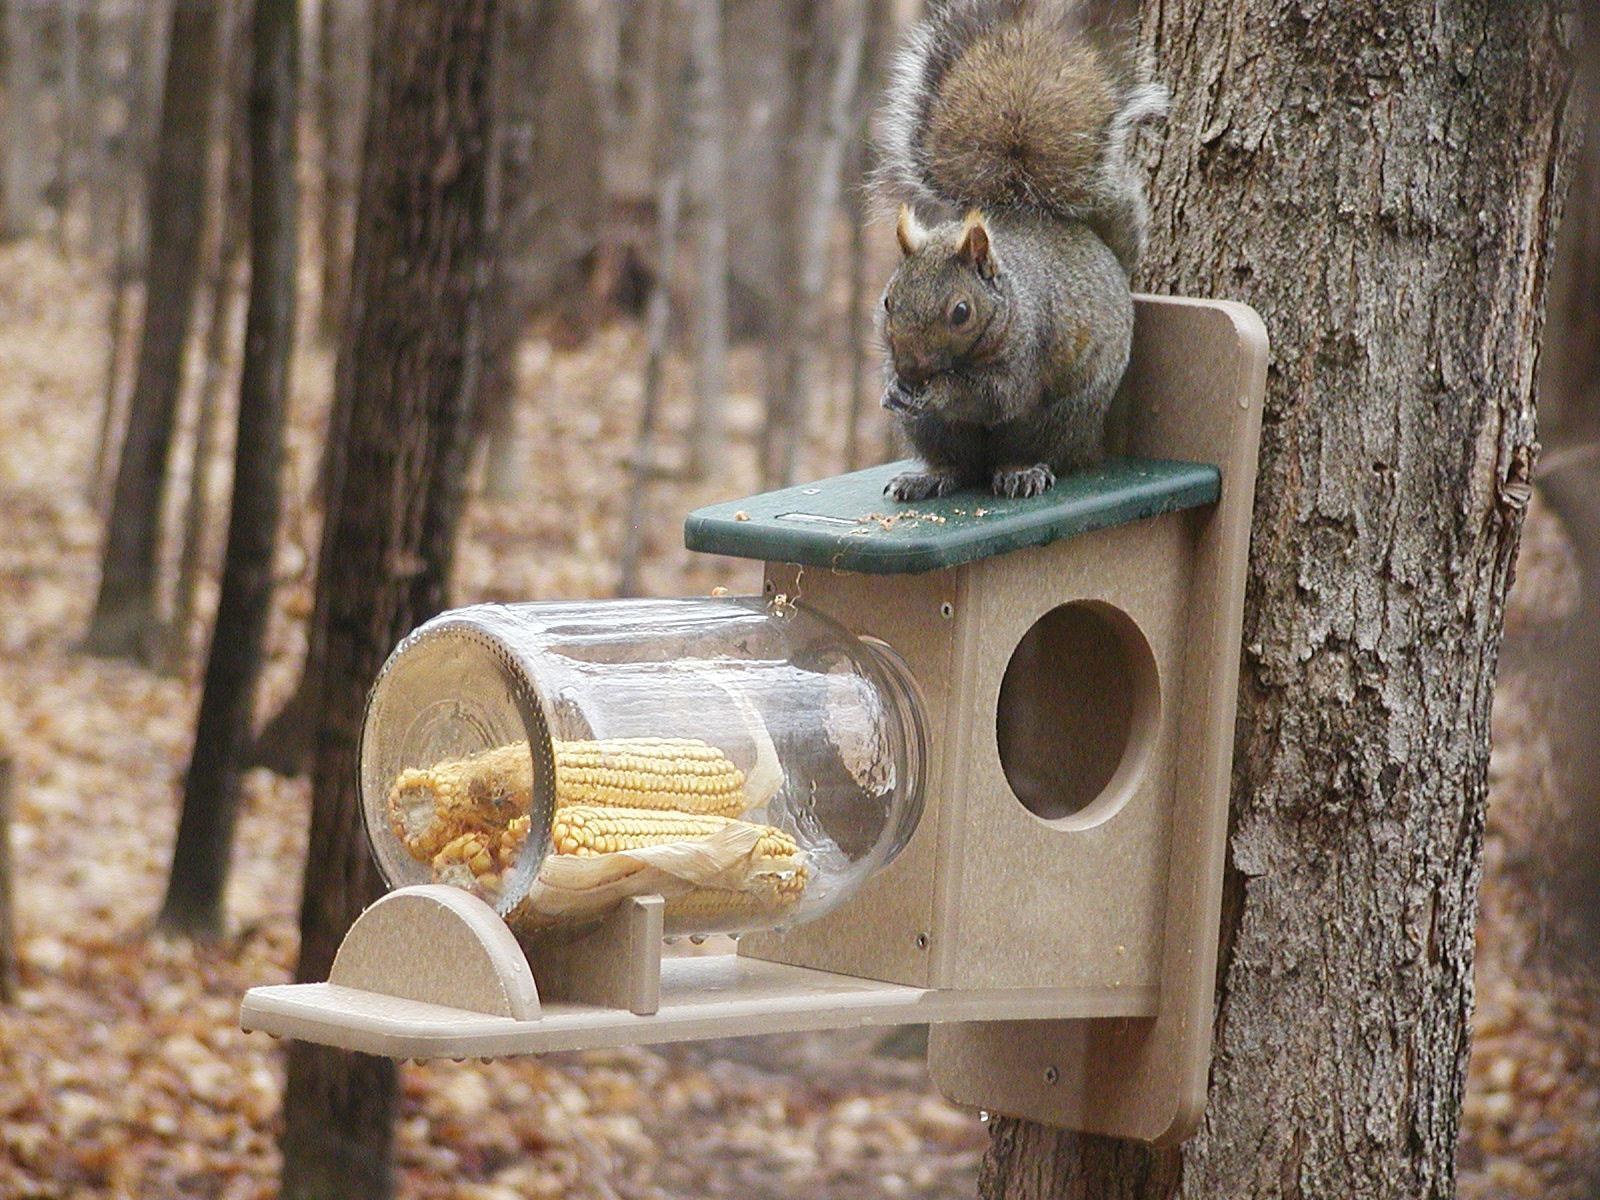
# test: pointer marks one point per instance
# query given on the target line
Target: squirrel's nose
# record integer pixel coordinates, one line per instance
(914, 371)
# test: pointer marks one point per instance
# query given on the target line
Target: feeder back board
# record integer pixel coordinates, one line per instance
(1079, 658)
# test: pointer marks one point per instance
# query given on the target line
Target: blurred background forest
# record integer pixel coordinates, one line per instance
(671, 273)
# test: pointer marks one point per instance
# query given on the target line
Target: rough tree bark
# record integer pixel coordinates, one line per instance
(421, 238)
(193, 903)
(1382, 182)
(126, 610)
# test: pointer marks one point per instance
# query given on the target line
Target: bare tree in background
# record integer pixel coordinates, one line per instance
(548, 231)
(126, 174)
(126, 612)
(1569, 471)
(69, 118)
(193, 903)
(828, 59)
(518, 271)
(658, 320)
(859, 343)
(705, 101)
(8, 930)
(1403, 291)
(228, 190)
(422, 232)
(21, 158)
(344, 47)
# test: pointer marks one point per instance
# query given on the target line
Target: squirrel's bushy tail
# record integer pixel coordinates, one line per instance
(1011, 104)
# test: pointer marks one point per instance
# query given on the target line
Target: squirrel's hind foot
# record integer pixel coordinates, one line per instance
(1021, 482)
(911, 486)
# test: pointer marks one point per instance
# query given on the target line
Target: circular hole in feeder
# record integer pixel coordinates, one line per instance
(1078, 712)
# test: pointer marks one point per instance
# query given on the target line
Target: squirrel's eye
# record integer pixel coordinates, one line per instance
(886, 304)
(960, 312)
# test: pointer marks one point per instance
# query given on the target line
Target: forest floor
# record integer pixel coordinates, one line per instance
(122, 1068)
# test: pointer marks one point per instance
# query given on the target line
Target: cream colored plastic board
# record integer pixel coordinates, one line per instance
(724, 995)
(618, 965)
(440, 945)
(1194, 391)
(1051, 903)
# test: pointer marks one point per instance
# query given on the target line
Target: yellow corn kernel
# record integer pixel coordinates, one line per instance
(467, 861)
(707, 907)
(586, 829)
(681, 774)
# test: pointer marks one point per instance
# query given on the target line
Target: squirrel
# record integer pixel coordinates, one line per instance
(1008, 321)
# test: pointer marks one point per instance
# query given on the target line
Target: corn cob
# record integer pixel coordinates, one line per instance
(428, 806)
(682, 774)
(478, 859)
(588, 830)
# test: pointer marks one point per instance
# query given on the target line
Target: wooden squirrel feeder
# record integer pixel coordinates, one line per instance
(1044, 887)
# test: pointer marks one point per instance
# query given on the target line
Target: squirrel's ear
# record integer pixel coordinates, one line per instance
(912, 236)
(975, 249)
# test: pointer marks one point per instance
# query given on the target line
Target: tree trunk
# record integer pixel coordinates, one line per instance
(1382, 183)
(705, 102)
(832, 75)
(658, 323)
(344, 47)
(518, 270)
(69, 108)
(23, 156)
(1569, 478)
(228, 191)
(125, 173)
(861, 344)
(421, 232)
(126, 610)
(199, 873)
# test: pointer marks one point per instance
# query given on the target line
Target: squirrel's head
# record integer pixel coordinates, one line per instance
(944, 306)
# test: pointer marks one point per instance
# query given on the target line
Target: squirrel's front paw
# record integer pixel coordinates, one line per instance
(920, 485)
(1021, 482)
(897, 398)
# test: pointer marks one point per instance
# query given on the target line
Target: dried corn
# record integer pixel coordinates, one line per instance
(428, 806)
(681, 774)
(672, 802)
(588, 830)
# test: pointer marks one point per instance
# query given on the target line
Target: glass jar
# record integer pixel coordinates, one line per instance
(750, 761)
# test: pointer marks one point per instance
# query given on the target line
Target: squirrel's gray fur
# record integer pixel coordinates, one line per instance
(1009, 319)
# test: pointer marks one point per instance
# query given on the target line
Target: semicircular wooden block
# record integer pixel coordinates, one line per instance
(438, 945)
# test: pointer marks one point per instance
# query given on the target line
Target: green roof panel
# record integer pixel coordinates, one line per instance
(848, 524)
